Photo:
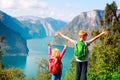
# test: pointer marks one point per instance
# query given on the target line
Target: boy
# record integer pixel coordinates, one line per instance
(81, 65)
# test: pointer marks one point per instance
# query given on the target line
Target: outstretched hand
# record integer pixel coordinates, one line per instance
(65, 46)
(49, 45)
(105, 32)
(59, 33)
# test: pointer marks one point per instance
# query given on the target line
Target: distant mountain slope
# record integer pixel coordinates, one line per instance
(17, 44)
(39, 27)
(14, 24)
(32, 27)
(56, 24)
(87, 21)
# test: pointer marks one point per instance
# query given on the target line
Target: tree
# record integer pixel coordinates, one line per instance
(1, 53)
(2, 38)
(42, 70)
(110, 13)
(11, 74)
(105, 59)
(71, 73)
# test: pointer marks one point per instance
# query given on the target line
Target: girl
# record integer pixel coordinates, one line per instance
(55, 61)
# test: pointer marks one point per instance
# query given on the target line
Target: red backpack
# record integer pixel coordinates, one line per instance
(54, 65)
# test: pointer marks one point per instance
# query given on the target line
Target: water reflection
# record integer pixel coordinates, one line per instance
(14, 61)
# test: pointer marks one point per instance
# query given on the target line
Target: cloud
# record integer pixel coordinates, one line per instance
(43, 4)
(30, 7)
(69, 5)
(25, 4)
(33, 7)
(6, 3)
(22, 4)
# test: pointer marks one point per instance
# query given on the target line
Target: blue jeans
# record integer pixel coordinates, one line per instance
(57, 76)
(81, 70)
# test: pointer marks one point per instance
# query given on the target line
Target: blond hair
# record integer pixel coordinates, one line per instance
(82, 33)
(55, 53)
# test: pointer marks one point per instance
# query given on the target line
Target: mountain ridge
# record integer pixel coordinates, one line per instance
(35, 25)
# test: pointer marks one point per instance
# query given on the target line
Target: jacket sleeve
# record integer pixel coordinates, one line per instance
(62, 53)
(87, 43)
(49, 51)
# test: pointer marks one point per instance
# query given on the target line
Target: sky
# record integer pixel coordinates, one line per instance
(64, 10)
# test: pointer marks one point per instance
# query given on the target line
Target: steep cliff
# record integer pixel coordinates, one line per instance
(14, 24)
(16, 45)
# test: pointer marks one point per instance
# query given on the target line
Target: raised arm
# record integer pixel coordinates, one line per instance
(49, 49)
(63, 51)
(65, 37)
(98, 36)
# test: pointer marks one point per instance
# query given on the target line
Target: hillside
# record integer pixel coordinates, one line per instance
(14, 24)
(16, 44)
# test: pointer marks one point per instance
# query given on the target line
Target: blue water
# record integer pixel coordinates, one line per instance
(37, 50)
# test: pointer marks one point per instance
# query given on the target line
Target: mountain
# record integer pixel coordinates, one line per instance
(41, 27)
(56, 24)
(16, 45)
(87, 21)
(14, 24)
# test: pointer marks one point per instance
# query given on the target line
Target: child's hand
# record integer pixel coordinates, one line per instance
(49, 45)
(59, 33)
(65, 46)
(105, 32)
